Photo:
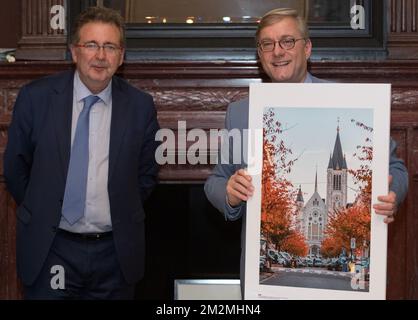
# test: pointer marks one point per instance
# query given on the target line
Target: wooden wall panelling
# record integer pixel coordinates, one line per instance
(4, 245)
(39, 41)
(412, 215)
(402, 17)
(10, 17)
(396, 272)
(197, 93)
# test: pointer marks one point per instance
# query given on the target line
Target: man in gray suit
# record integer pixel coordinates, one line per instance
(284, 48)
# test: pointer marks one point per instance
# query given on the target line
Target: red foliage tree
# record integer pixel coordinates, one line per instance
(331, 247)
(295, 244)
(277, 192)
(353, 222)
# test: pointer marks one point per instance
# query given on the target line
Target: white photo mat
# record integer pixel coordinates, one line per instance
(324, 95)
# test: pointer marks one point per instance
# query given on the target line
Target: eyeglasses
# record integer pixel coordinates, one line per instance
(269, 45)
(93, 47)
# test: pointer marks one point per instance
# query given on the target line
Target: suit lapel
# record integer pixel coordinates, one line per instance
(120, 112)
(62, 107)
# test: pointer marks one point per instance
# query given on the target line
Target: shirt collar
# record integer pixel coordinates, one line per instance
(308, 78)
(81, 91)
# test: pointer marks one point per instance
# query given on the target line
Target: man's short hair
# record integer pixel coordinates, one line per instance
(277, 15)
(99, 14)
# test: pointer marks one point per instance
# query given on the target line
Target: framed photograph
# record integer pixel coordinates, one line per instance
(311, 232)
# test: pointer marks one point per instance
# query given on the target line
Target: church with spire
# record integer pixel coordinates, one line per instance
(312, 216)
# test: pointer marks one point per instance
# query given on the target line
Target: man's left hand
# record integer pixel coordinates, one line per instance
(387, 206)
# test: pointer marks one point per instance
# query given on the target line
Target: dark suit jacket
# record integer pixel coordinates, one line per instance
(36, 163)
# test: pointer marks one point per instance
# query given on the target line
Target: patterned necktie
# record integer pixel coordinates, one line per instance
(76, 186)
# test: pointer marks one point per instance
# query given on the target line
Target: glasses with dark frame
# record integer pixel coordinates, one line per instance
(270, 45)
(93, 47)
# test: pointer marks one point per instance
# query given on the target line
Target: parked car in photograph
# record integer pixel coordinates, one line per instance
(287, 258)
(317, 262)
(263, 264)
(334, 265)
(276, 257)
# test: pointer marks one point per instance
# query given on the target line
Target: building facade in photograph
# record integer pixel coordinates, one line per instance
(312, 217)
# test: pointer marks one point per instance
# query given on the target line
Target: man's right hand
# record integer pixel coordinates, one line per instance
(239, 188)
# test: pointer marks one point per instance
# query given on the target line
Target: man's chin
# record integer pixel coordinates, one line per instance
(281, 79)
(99, 77)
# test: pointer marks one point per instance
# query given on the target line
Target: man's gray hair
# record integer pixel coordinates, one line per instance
(99, 14)
(277, 15)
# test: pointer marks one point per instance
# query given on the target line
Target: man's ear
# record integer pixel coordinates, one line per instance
(122, 56)
(73, 53)
(258, 53)
(308, 48)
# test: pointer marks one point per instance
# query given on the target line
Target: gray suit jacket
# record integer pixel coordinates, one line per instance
(215, 186)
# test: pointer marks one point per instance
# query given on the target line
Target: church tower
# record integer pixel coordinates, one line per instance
(315, 216)
(337, 178)
(299, 211)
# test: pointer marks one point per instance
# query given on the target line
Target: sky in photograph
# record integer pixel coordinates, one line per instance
(311, 134)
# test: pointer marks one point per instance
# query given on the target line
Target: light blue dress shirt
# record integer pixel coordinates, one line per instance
(97, 211)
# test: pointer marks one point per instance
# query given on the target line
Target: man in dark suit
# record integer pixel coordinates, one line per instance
(284, 48)
(80, 162)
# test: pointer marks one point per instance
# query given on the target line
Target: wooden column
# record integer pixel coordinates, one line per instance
(40, 40)
(402, 29)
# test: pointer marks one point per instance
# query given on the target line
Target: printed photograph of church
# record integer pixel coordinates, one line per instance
(316, 198)
(312, 216)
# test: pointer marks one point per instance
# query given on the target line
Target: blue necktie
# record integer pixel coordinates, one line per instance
(76, 186)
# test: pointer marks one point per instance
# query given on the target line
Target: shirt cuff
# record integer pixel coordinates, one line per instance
(232, 212)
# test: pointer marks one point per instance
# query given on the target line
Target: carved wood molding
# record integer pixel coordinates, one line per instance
(39, 41)
(198, 74)
(403, 29)
(211, 86)
(199, 99)
(405, 99)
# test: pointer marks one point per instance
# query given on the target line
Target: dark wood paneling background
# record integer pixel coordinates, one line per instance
(199, 93)
(9, 24)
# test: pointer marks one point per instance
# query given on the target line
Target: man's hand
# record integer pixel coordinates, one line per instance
(239, 188)
(387, 206)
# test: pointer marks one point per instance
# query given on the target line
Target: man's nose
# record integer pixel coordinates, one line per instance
(101, 53)
(278, 50)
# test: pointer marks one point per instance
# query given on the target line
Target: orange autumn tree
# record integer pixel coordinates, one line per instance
(278, 196)
(353, 222)
(295, 243)
(331, 247)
